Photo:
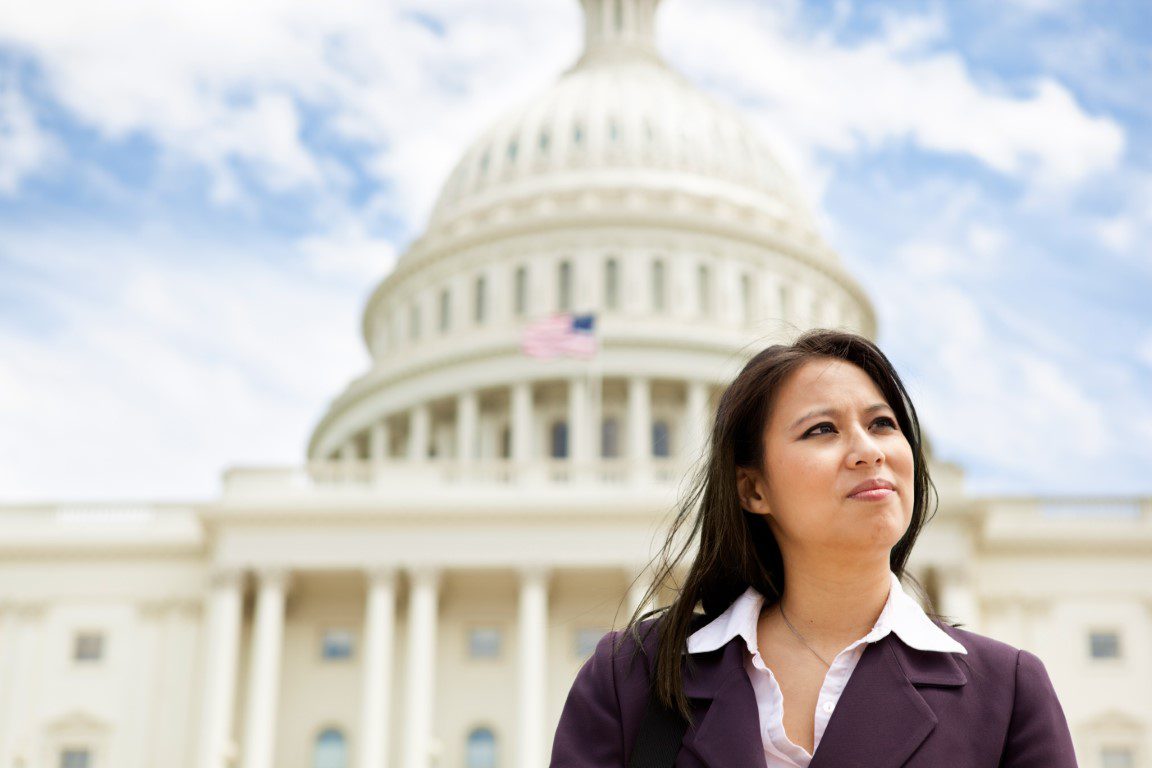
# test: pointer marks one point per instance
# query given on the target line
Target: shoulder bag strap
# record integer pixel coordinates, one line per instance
(660, 735)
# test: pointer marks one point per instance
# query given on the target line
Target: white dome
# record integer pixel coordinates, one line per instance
(621, 191)
(620, 119)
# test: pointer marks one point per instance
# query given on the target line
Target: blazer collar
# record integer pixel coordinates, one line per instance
(880, 720)
(901, 614)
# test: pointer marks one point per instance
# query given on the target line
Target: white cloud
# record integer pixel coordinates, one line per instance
(825, 96)
(987, 397)
(217, 83)
(155, 374)
(25, 147)
(349, 250)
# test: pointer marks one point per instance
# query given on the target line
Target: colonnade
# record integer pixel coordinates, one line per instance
(582, 418)
(256, 750)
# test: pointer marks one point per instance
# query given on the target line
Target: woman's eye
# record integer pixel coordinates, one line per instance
(818, 429)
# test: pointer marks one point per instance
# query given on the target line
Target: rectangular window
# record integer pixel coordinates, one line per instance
(661, 440)
(89, 647)
(610, 438)
(484, 642)
(612, 284)
(479, 305)
(747, 299)
(75, 757)
(445, 310)
(337, 644)
(586, 640)
(506, 443)
(704, 287)
(1104, 644)
(658, 289)
(1117, 757)
(559, 440)
(414, 322)
(564, 289)
(520, 290)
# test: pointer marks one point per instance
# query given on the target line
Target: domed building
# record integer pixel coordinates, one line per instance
(476, 509)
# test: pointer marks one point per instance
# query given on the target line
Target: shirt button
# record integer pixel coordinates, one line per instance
(829, 706)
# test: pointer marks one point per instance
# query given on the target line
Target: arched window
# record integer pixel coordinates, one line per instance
(480, 304)
(559, 439)
(610, 438)
(481, 752)
(513, 147)
(445, 310)
(660, 439)
(612, 284)
(658, 288)
(577, 134)
(564, 289)
(520, 291)
(704, 289)
(331, 750)
(545, 140)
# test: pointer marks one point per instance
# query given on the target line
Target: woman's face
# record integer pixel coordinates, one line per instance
(830, 430)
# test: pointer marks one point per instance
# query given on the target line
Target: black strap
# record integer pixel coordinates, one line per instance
(661, 732)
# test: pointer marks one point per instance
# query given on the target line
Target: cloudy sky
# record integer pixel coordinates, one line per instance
(197, 197)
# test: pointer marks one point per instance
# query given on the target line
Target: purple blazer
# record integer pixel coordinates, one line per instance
(991, 708)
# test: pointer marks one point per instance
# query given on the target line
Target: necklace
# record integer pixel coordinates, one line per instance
(780, 605)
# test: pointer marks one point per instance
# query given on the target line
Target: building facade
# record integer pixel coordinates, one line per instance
(470, 520)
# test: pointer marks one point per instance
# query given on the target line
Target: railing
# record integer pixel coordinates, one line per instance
(436, 473)
(1098, 508)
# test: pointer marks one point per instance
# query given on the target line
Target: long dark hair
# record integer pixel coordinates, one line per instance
(737, 549)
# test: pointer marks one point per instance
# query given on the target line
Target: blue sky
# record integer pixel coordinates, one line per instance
(195, 204)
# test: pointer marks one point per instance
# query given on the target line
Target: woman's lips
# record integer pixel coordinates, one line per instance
(876, 494)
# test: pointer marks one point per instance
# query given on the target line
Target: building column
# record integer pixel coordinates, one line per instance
(957, 597)
(639, 427)
(220, 659)
(21, 654)
(421, 678)
(579, 421)
(9, 664)
(264, 672)
(467, 417)
(378, 439)
(173, 742)
(379, 642)
(149, 683)
(533, 667)
(419, 431)
(637, 589)
(696, 420)
(521, 407)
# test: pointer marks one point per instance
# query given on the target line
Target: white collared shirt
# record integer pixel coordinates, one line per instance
(901, 614)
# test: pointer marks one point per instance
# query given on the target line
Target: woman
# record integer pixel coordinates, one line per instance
(808, 653)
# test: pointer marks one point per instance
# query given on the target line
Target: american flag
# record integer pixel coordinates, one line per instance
(561, 335)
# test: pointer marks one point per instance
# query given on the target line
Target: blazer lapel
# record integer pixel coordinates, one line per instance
(726, 733)
(881, 719)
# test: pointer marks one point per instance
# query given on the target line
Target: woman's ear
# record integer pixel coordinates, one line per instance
(750, 488)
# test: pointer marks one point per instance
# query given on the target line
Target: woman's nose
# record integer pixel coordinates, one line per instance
(865, 448)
